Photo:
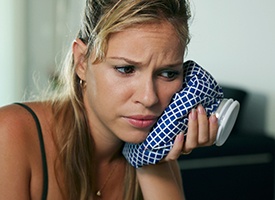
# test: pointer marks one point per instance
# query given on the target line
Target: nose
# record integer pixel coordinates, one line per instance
(146, 94)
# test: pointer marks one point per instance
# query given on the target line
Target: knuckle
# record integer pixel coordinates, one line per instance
(172, 158)
(191, 146)
(204, 140)
(187, 150)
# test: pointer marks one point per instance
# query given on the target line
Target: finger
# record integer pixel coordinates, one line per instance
(204, 136)
(213, 129)
(176, 150)
(191, 140)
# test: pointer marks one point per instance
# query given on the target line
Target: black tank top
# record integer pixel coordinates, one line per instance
(42, 149)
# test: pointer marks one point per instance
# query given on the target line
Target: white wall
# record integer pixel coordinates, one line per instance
(12, 50)
(235, 41)
(32, 34)
(50, 24)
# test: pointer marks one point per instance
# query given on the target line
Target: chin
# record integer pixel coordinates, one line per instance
(136, 138)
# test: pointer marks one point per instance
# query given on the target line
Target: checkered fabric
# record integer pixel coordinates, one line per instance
(199, 87)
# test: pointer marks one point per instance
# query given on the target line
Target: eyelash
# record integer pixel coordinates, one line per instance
(124, 69)
(174, 73)
(128, 70)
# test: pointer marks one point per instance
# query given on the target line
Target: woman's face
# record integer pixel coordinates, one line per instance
(129, 90)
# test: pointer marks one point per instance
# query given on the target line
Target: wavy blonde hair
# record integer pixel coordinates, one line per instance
(72, 133)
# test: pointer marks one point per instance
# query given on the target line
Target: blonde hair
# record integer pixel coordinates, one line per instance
(72, 133)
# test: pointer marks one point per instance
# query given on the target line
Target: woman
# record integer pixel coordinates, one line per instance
(125, 66)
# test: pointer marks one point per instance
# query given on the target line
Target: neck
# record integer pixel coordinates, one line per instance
(109, 179)
(107, 145)
(107, 149)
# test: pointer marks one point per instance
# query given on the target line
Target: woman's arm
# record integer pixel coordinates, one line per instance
(160, 182)
(163, 180)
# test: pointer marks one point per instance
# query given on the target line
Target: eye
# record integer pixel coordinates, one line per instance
(170, 74)
(125, 69)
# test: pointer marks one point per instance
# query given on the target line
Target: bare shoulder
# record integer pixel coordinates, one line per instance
(17, 144)
(17, 125)
(14, 122)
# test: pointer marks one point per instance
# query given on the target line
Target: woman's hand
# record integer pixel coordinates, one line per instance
(162, 180)
(202, 131)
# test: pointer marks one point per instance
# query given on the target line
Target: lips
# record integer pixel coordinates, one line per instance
(141, 121)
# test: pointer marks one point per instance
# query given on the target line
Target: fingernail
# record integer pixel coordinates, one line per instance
(201, 109)
(193, 114)
(180, 137)
(213, 118)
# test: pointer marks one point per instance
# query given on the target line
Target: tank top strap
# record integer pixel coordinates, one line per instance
(42, 149)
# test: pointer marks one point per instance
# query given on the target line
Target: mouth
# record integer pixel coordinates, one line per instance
(141, 122)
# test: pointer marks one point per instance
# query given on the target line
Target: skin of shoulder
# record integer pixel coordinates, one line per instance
(16, 149)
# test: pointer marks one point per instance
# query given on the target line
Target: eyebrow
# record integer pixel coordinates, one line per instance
(126, 60)
(132, 62)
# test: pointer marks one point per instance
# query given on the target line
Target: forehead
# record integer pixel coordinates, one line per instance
(153, 36)
(158, 29)
(142, 41)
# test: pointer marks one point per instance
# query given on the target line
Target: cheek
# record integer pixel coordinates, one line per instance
(166, 93)
(106, 91)
(179, 86)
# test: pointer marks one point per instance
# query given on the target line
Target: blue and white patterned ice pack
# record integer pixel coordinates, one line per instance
(199, 87)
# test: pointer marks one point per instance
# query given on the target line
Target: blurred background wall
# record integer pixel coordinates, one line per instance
(34, 35)
(234, 40)
(12, 50)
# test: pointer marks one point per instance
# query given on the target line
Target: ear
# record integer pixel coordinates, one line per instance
(79, 51)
